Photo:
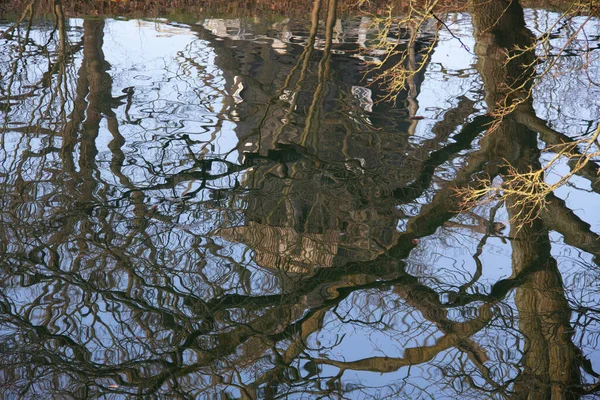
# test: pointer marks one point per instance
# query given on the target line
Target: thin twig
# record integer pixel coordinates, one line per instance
(464, 46)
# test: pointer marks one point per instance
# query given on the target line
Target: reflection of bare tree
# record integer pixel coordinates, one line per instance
(550, 361)
(112, 284)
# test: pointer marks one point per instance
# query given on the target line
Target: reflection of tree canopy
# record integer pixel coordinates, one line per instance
(139, 257)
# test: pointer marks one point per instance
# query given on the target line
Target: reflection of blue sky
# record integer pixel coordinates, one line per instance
(447, 255)
(450, 74)
(569, 98)
(174, 73)
(178, 91)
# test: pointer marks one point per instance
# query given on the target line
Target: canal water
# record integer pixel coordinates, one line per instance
(327, 205)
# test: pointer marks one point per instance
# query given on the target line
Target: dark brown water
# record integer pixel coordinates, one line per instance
(226, 209)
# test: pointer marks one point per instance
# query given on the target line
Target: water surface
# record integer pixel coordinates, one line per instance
(226, 208)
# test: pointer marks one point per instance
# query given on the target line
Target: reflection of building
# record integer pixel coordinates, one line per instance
(319, 191)
(284, 248)
(265, 53)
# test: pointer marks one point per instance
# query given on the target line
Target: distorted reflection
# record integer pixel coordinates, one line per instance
(326, 205)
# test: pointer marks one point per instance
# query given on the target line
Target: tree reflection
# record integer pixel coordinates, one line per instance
(183, 270)
(550, 362)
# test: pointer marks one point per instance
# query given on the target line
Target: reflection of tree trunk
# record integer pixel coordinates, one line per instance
(303, 63)
(95, 67)
(550, 360)
(312, 119)
(85, 115)
(61, 27)
(411, 82)
(575, 231)
(69, 133)
(101, 105)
